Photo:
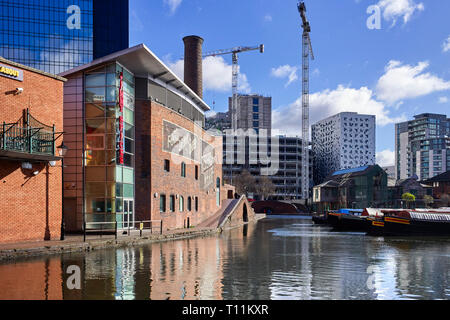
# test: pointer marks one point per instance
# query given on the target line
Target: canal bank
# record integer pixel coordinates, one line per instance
(75, 243)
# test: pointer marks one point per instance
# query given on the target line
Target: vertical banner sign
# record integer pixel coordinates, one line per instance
(121, 92)
(121, 140)
(120, 154)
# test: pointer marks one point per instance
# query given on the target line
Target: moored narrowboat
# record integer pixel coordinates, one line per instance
(417, 223)
(347, 220)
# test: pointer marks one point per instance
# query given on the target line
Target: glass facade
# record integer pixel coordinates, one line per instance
(58, 35)
(109, 145)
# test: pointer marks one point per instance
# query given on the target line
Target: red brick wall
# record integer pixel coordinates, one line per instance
(31, 205)
(151, 177)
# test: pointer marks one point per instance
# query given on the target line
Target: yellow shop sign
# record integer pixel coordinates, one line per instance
(10, 72)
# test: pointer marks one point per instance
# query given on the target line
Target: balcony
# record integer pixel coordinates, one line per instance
(27, 139)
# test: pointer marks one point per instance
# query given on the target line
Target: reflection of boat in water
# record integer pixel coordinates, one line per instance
(322, 219)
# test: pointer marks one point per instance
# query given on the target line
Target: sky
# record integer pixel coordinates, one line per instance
(395, 64)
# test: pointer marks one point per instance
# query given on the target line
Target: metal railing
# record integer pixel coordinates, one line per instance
(131, 228)
(27, 135)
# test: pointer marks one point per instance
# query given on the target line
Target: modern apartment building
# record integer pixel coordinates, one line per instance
(422, 146)
(279, 158)
(254, 112)
(342, 141)
(58, 35)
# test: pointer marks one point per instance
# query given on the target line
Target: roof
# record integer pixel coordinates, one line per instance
(141, 61)
(353, 170)
(21, 66)
(443, 177)
(329, 184)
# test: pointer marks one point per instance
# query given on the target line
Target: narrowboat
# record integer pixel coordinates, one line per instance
(375, 219)
(347, 220)
(417, 223)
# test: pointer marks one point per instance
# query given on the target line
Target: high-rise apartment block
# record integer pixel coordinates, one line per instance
(254, 112)
(342, 141)
(58, 35)
(422, 146)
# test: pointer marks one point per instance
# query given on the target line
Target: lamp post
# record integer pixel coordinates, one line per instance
(62, 153)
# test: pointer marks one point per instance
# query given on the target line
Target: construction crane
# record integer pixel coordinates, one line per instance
(235, 80)
(307, 49)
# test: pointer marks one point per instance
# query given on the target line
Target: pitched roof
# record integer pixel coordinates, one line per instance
(443, 177)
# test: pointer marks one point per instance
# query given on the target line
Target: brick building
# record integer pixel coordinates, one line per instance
(31, 121)
(137, 147)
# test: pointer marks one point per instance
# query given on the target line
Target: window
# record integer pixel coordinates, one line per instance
(255, 124)
(255, 101)
(196, 172)
(183, 170)
(189, 204)
(255, 116)
(162, 203)
(255, 109)
(172, 203)
(196, 203)
(167, 165)
(181, 203)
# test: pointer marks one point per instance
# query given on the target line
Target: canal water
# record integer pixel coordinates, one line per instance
(277, 258)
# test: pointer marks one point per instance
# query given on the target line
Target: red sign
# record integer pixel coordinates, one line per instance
(121, 92)
(120, 160)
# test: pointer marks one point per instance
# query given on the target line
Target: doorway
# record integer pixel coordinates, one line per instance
(128, 213)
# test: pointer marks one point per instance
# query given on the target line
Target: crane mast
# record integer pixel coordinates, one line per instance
(235, 79)
(306, 50)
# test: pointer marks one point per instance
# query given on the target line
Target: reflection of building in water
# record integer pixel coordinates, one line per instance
(125, 271)
(31, 280)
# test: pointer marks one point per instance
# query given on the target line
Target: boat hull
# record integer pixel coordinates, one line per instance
(407, 227)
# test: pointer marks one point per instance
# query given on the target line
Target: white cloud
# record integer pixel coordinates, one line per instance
(395, 9)
(173, 5)
(446, 45)
(406, 82)
(217, 75)
(386, 158)
(443, 99)
(326, 103)
(285, 71)
(268, 18)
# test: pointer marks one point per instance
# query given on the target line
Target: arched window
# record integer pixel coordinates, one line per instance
(181, 203)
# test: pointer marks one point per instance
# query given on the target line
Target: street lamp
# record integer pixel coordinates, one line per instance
(62, 153)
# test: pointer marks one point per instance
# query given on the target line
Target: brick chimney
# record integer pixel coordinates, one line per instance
(193, 64)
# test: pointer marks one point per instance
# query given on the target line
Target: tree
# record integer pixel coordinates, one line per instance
(265, 187)
(245, 183)
(427, 199)
(408, 198)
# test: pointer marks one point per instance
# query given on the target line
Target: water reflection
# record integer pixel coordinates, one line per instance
(275, 259)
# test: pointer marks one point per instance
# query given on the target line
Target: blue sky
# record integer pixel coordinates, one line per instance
(394, 72)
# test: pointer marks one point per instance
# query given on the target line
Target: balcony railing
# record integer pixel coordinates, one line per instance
(28, 135)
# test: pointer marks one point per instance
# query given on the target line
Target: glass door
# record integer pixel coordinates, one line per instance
(128, 213)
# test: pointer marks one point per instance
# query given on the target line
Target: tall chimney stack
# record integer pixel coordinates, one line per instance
(193, 64)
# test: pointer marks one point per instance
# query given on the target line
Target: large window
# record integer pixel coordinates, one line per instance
(109, 182)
